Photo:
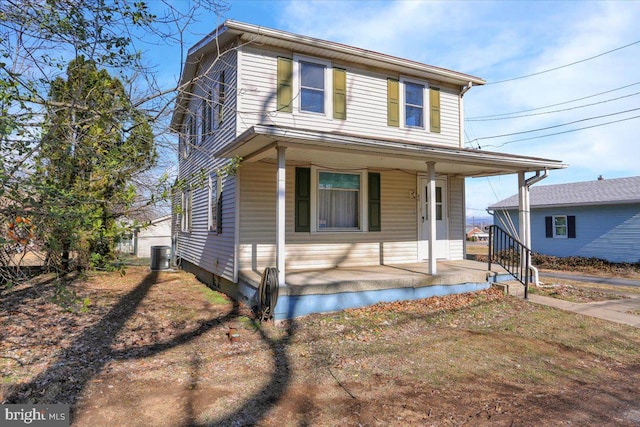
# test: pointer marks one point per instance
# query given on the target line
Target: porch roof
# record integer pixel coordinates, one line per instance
(308, 146)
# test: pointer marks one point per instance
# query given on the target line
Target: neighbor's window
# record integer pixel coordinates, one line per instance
(338, 201)
(560, 226)
(414, 104)
(312, 87)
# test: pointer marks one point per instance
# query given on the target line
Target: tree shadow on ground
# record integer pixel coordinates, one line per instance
(256, 406)
(79, 362)
(69, 374)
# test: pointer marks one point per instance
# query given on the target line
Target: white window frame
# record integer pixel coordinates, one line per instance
(197, 124)
(425, 103)
(218, 101)
(554, 227)
(362, 208)
(328, 84)
(186, 136)
(215, 190)
(185, 221)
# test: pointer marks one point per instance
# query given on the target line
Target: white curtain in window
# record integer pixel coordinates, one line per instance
(338, 208)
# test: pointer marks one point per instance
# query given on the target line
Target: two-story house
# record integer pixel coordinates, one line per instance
(307, 155)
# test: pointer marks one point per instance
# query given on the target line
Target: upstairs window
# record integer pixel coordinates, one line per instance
(409, 98)
(213, 107)
(414, 105)
(217, 102)
(186, 138)
(312, 87)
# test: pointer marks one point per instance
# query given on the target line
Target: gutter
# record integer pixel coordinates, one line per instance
(528, 183)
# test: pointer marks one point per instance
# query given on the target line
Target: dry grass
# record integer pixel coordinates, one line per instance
(154, 350)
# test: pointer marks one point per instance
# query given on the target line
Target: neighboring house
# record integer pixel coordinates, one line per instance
(599, 219)
(477, 234)
(139, 243)
(348, 158)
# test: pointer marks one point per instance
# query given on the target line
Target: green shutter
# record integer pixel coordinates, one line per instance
(548, 226)
(339, 94)
(393, 102)
(285, 84)
(375, 216)
(571, 226)
(434, 101)
(303, 200)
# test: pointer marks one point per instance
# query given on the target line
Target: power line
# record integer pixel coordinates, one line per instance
(563, 66)
(555, 111)
(560, 133)
(556, 126)
(476, 118)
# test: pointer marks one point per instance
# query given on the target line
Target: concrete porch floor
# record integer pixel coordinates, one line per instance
(329, 290)
(379, 277)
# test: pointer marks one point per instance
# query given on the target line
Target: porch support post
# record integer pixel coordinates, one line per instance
(280, 215)
(523, 218)
(431, 197)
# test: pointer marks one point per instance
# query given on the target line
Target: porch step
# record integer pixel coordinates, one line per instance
(510, 287)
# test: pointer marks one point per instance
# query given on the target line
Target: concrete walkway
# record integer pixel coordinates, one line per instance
(612, 310)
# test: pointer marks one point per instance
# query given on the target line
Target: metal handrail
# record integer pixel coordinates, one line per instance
(511, 254)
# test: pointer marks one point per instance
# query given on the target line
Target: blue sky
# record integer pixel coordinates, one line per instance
(499, 41)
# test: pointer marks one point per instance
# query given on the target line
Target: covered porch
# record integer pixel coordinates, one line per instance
(311, 289)
(327, 290)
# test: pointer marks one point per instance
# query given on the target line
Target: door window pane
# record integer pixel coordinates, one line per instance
(438, 203)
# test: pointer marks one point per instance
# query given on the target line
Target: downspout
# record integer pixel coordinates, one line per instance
(463, 90)
(528, 183)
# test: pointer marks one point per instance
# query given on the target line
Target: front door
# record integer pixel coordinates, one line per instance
(441, 244)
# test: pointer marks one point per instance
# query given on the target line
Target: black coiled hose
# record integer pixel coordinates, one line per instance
(268, 293)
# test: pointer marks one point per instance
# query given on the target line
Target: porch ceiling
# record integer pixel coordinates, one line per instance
(304, 146)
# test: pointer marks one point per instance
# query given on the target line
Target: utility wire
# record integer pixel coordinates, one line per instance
(563, 132)
(563, 66)
(476, 118)
(556, 126)
(554, 111)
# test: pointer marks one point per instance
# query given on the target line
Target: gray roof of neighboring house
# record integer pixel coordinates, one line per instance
(597, 192)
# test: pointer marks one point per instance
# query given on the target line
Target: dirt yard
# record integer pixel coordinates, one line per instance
(153, 349)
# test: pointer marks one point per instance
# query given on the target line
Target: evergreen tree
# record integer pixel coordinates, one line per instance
(95, 142)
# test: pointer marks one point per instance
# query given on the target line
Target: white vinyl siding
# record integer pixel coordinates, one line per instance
(396, 243)
(210, 251)
(366, 95)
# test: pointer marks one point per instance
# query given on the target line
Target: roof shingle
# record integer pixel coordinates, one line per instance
(599, 192)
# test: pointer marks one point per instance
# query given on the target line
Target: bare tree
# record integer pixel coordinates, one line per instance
(38, 39)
